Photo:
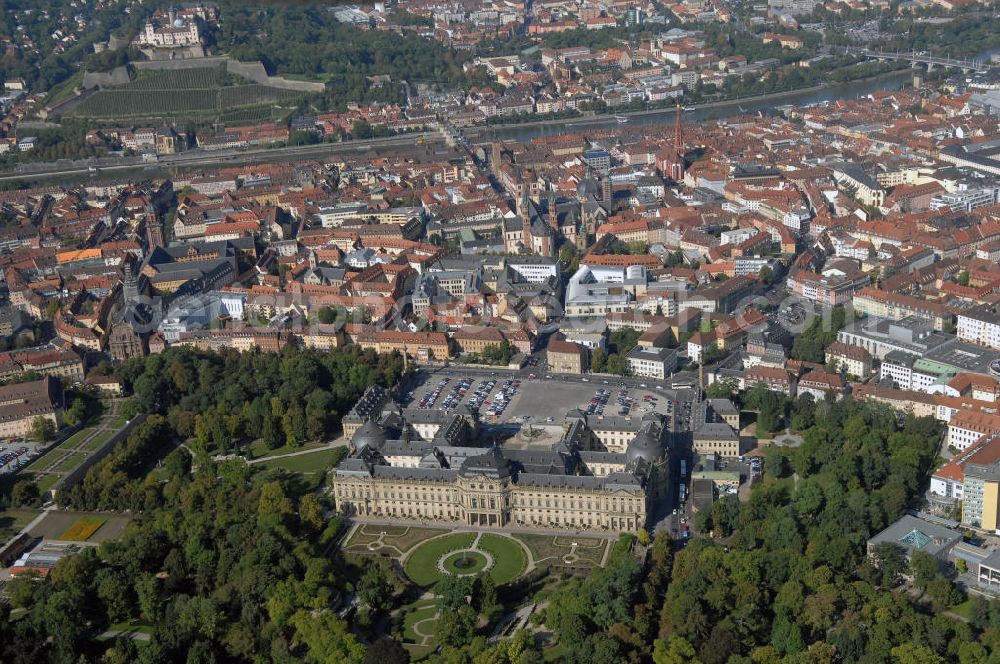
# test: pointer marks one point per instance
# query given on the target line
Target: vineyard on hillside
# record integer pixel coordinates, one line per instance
(180, 79)
(182, 93)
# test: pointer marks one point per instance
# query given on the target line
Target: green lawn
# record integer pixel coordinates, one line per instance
(48, 458)
(258, 450)
(421, 612)
(70, 462)
(131, 627)
(465, 562)
(400, 538)
(550, 549)
(509, 560)
(46, 481)
(410, 538)
(314, 462)
(418, 645)
(421, 566)
(99, 440)
(65, 90)
(963, 609)
(127, 628)
(77, 437)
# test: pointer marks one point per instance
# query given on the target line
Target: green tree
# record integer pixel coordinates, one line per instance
(569, 258)
(115, 592)
(675, 650)
(890, 562)
(76, 413)
(924, 568)
(21, 590)
(327, 315)
(149, 597)
(25, 493)
(910, 653)
(598, 361)
(361, 130)
(273, 500)
(722, 388)
(617, 365)
(326, 638)
(385, 650)
(311, 513)
(456, 627)
(42, 429)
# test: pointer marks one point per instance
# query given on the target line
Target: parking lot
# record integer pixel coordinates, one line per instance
(509, 399)
(491, 396)
(16, 453)
(749, 469)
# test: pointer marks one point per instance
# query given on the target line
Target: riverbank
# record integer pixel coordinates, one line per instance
(709, 110)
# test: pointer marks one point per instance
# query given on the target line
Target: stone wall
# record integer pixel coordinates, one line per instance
(251, 70)
(76, 476)
(103, 79)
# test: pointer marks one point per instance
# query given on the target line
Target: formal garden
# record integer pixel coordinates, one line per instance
(482, 564)
(466, 554)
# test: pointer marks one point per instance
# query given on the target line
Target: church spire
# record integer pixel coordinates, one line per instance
(677, 165)
(678, 134)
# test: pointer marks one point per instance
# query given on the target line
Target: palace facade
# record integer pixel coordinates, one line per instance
(392, 472)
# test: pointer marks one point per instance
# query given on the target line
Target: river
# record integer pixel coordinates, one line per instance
(890, 81)
(526, 132)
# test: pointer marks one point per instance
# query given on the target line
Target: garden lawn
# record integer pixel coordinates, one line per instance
(314, 462)
(47, 481)
(963, 609)
(420, 644)
(77, 437)
(69, 462)
(98, 440)
(421, 566)
(509, 560)
(258, 450)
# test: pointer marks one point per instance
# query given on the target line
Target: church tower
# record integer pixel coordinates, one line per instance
(551, 208)
(154, 232)
(130, 279)
(677, 166)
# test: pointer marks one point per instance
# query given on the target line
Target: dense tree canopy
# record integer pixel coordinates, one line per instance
(220, 402)
(307, 40)
(228, 563)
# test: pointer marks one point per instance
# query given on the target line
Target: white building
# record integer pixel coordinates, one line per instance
(174, 32)
(965, 200)
(534, 269)
(968, 427)
(980, 326)
(652, 362)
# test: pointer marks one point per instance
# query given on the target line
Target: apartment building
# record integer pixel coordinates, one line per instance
(968, 427)
(980, 325)
(873, 302)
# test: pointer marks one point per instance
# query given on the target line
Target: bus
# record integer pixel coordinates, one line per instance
(684, 468)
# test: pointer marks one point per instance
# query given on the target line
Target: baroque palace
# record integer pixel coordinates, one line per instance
(425, 465)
